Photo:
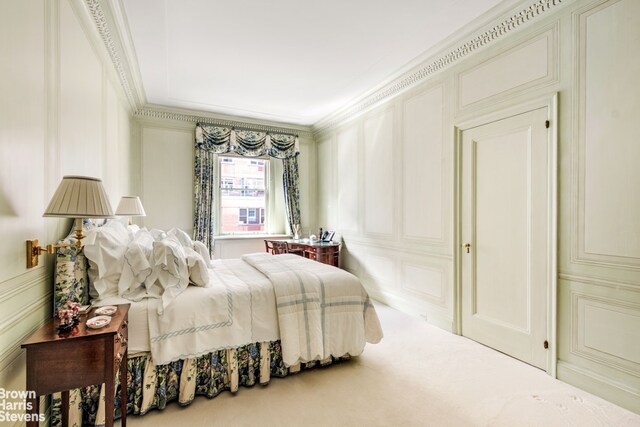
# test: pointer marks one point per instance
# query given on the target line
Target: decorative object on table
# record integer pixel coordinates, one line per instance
(68, 317)
(296, 231)
(77, 197)
(98, 322)
(327, 236)
(130, 206)
(107, 310)
(313, 238)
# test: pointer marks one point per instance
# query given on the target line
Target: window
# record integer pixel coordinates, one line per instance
(250, 216)
(243, 195)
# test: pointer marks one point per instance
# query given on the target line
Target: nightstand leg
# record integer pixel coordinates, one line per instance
(123, 389)
(35, 410)
(109, 397)
(65, 408)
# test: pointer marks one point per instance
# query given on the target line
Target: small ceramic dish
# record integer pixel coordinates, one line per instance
(98, 322)
(107, 310)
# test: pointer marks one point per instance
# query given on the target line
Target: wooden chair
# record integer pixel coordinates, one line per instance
(276, 247)
(294, 248)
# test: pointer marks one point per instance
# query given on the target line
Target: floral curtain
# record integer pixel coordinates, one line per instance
(291, 190)
(212, 140)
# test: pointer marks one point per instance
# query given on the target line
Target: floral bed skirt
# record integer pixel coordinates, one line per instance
(150, 386)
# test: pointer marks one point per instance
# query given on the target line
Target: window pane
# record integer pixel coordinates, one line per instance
(242, 194)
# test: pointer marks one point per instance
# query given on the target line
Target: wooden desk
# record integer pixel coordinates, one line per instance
(80, 358)
(324, 252)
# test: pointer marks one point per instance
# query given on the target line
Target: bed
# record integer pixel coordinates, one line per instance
(201, 327)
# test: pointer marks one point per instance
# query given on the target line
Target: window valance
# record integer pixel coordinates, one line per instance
(219, 140)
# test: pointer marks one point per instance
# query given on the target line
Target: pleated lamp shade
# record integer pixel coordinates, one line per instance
(79, 197)
(130, 206)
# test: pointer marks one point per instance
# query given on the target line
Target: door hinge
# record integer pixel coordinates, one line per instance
(547, 124)
(546, 344)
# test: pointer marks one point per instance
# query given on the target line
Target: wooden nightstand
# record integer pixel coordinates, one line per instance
(80, 358)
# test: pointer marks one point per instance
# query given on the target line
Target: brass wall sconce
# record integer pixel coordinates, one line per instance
(77, 197)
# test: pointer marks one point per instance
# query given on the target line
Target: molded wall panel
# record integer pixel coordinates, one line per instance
(425, 280)
(377, 268)
(422, 165)
(347, 147)
(609, 126)
(601, 320)
(167, 178)
(22, 132)
(80, 103)
(522, 65)
(379, 181)
(326, 198)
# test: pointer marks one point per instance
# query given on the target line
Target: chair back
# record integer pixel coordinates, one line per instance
(276, 247)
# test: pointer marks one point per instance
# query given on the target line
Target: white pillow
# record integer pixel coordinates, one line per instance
(137, 268)
(104, 247)
(198, 271)
(182, 237)
(171, 270)
(203, 251)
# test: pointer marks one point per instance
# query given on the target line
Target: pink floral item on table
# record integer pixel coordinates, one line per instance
(68, 317)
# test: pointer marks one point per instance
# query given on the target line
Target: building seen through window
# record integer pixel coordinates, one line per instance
(243, 194)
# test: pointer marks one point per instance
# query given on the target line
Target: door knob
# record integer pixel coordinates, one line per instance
(467, 246)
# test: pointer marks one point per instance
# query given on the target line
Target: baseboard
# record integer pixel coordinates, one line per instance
(599, 385)
(431, 315)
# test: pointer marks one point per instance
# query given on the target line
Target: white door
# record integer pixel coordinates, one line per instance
(505, 205)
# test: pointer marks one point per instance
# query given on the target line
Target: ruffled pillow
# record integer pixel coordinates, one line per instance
(138, 267)
(170, 270)
(198, 271)
(104, 247)
(203, 251)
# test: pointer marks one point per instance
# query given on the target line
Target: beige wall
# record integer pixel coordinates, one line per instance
(62, 111)
(388, 183)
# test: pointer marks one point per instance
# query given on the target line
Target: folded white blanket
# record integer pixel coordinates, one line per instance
(322, 311)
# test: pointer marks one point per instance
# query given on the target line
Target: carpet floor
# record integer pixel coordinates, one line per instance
(418, 375)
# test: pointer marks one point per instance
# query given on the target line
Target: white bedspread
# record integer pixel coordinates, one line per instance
(138, 322)
(322, 311)
(237, 308)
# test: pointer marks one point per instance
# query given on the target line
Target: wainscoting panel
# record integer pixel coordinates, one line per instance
(379, 179)
(599, 338)
(22, 132)
(347, 180)
(327, 200)
(378, 268)
(607, 230)
(423, 164)
(528, 64)
(80, 105)
(113, 148)
(348, 260)
(425, 278)
(167, 180)
(608, 331)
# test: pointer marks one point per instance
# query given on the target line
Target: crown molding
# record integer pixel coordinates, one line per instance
(164, 113)
(436, 63)
(114, 47)
(431, 66)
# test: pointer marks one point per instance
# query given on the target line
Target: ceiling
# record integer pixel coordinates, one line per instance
(290, 61)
